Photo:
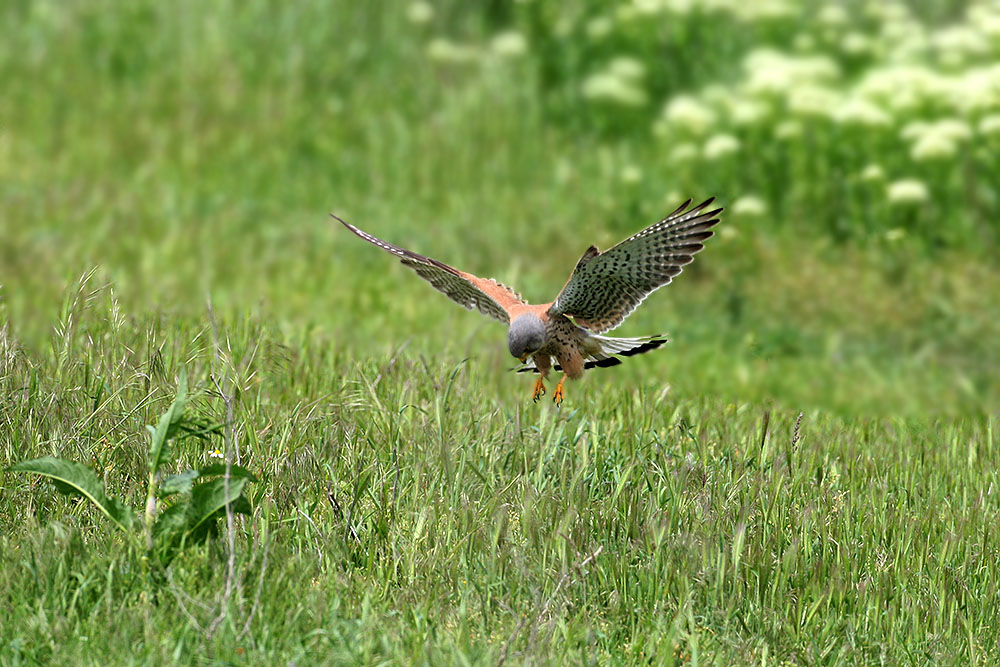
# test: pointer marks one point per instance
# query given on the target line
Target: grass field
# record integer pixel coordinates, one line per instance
(806, 474)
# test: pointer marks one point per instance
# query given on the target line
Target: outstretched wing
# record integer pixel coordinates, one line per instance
(488, 296)
(607, 286)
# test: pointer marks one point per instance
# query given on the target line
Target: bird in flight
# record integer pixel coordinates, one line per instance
(604, 288)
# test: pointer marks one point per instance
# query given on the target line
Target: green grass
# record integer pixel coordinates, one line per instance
(462, 515)
(413, 504)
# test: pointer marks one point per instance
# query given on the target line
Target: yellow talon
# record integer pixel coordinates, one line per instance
(539, 389)
(558, 394)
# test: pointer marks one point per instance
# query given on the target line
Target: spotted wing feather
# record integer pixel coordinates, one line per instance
(605, 288)
(487, 296)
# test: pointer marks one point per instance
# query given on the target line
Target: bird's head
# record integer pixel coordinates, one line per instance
(526, 336)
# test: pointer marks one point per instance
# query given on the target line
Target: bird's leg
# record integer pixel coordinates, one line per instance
(558, 394)
(539, 389)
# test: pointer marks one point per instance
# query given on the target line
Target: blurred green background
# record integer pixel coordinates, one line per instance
(192, 150)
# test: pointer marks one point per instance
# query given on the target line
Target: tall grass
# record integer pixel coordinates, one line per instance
(805, 474)
(412, 509)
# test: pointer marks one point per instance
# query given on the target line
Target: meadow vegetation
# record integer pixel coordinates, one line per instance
(807, 473)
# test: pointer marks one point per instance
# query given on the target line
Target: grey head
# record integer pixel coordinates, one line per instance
(526, 335)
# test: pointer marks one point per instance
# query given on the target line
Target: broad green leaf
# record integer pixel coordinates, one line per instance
(74, 478)
(209, 500)
(192, 520)
(168, 531)
(159, 447)
(180, 483)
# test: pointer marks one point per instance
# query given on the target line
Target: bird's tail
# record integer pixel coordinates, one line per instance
(605, 351)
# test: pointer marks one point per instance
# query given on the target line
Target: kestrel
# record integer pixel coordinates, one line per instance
(604, 288)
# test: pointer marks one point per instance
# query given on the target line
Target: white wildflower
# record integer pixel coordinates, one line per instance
(812, 100)
(911, 45)
(990, 125)
(750, 206)
(905, 39)
(420, 12)
(856, 44)
(953, 128)
(510, 44)
(445, 51)
(679, 6)
(887, 10)
(606, 87)
(933, 146)
(689, 114)
(958, 44)
(716, 95)
(599, 27)
(788, 129)
(833, 16)
(743, 112)
(977, 89)
(627, 68)
(720, 146)
(648, 6)
(986, 18)
(763, 10)
(774, 72)
(216, 454)
(872, 172)
(683, 152)
(906, 87)
(914, 130)
(859, 111)
(907, 191)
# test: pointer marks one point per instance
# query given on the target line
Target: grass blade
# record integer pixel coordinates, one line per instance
(159, 448)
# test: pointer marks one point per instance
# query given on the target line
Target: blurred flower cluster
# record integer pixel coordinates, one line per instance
(830, 107)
